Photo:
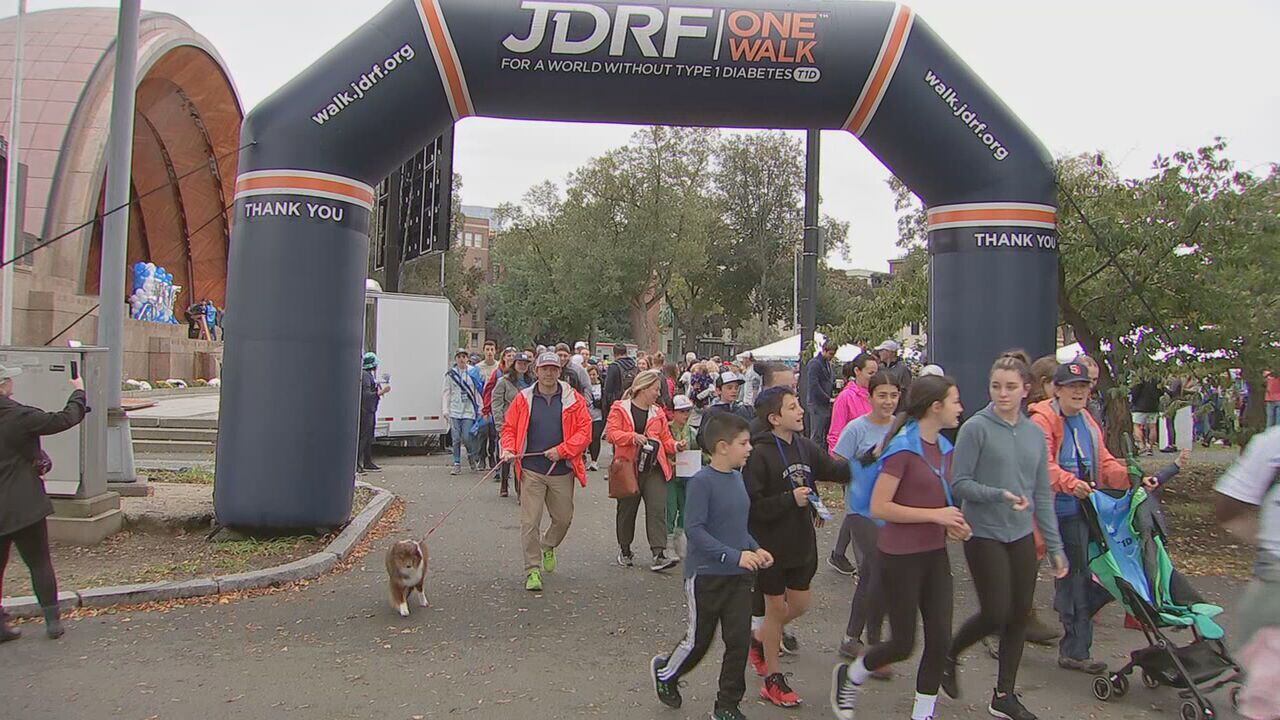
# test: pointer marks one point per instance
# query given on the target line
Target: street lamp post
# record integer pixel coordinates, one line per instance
(115, 236)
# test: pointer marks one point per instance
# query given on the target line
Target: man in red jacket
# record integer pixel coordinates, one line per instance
(547, 430)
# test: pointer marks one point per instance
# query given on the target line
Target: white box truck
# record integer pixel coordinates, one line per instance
(414, 337)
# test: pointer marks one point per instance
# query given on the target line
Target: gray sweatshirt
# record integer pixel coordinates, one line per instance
(992, 456)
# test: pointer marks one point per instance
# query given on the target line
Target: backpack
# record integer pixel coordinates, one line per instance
(866, 470)
(629, 373)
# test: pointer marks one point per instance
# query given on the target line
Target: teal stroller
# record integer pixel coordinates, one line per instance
(1127, 554)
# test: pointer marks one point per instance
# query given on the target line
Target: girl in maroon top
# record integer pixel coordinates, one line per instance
(911, 497)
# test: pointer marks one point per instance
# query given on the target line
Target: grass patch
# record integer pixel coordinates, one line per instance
(189, 476)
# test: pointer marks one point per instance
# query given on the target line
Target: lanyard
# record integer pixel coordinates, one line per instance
(941, 472)
(785, 474)
(1081, 471)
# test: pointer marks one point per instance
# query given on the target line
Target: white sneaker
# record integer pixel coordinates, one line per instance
(593, 466)
(663, 561)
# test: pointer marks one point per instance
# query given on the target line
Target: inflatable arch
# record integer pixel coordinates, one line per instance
(287, 440)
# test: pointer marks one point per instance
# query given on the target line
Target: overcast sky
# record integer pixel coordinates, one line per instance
(1130, 78)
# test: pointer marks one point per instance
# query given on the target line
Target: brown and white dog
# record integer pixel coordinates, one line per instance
(407, 574)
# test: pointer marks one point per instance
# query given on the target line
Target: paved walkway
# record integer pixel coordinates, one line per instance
(487, 648)
(201, 406)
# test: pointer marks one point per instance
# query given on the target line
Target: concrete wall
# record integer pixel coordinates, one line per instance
(152, 351)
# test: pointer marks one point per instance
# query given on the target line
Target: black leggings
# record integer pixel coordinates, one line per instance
(597, 430)
(920, 582)
(33, 546)
(1004, 575)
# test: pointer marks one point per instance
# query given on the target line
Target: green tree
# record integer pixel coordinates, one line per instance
(903, 299)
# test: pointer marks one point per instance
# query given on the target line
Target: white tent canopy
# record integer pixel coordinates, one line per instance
(788, 350)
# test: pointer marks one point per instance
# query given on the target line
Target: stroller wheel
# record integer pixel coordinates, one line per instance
(1191, 711)
(1102, 688)
(1150, 680)
(1120, 683)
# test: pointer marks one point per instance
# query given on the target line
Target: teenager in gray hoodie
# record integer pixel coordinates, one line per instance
(1001, 477)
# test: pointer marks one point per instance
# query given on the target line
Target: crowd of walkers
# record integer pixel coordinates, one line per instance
(726, 457)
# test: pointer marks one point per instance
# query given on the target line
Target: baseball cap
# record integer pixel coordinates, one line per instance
(462, 351)
(8, 371)
(682, 402)
(522, 357)
(548, 358)
(890, 345)
(579, 345)
(728, 377)
(932, 369)
(1072, 373)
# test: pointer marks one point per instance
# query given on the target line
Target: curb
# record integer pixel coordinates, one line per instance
(313, 566)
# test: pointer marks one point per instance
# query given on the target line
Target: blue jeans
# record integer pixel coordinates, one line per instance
(1273, 414)
(458, 429)
(1077, 598)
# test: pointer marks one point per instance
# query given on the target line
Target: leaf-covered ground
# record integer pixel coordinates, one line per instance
(137, 557)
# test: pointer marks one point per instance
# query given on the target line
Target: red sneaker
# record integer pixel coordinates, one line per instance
(756, 657)
(777, 691)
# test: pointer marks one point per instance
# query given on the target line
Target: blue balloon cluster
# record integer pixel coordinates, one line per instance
(153, 294)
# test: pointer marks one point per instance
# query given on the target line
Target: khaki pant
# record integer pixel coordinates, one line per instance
(538, 491)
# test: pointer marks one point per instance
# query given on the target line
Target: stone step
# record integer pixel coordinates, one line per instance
(167, 433)
(171, 422)
(173, 447)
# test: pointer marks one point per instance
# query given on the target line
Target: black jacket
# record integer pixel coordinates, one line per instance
(613, 385)
(22, 498)
(1145, 397)
(369, 396)
(776, 522)
(821, 383)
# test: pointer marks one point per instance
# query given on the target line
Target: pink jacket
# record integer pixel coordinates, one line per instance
(852, 403)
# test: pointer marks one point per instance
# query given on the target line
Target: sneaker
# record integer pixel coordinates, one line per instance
(950, 680)
(372, 468)
(732, 713)
(777, 691)
(1087, 665)
(790, 645)
(850, 648)
(1008, 707)
(755, 657)
(455, 470)
(625, 560)
(841, 564)
(1169, 449)
(593, 466)
(8, 632)
(668, 691)
(844, 693)
(663, 561)
(534, 582)
(549, 560)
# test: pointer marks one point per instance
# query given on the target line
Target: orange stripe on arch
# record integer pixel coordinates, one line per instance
(304, 183)
(993, 216)
(882, 73)
(449, 63)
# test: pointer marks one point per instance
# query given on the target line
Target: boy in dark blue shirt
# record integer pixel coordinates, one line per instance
(721, 557)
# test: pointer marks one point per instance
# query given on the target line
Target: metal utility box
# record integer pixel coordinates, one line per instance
(80, 454)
